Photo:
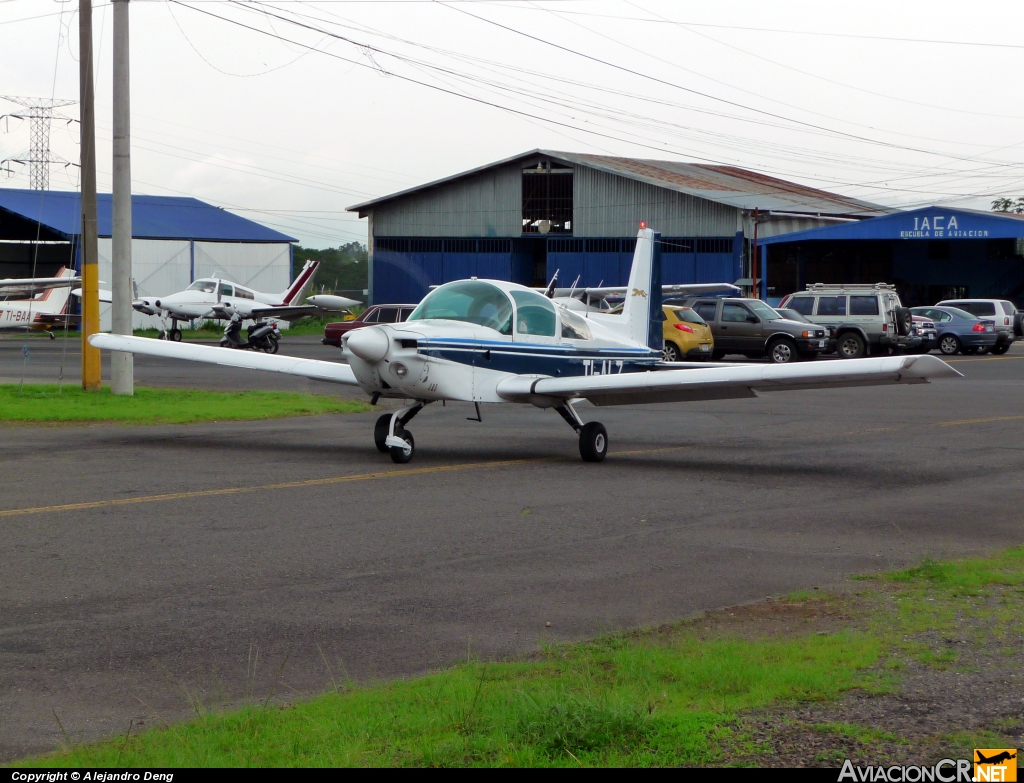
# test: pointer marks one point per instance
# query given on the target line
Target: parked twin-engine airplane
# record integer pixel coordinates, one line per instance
(219, 299)
(46, 305)
(494, 341)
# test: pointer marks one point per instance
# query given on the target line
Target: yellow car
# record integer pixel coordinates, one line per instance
(687, 336)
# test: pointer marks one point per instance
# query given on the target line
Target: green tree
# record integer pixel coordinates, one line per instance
(1009, 205)
(342, 269)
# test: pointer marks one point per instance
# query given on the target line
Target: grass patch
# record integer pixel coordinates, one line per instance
(648, 700)
(50, 403)
(665, 697)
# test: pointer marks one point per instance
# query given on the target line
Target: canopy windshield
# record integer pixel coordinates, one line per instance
(467, 300)
(206, 286)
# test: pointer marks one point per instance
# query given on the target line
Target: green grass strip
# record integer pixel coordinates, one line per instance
(657, 698)
(50, 403)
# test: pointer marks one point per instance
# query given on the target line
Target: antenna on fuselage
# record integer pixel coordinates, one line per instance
(573, 289)
(549, 292)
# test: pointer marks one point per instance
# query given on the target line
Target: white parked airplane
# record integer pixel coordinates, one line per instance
(46, 306)
(595, 298)
(220, 299)
(493, 341)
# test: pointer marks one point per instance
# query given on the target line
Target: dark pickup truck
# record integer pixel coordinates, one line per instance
(753, 329)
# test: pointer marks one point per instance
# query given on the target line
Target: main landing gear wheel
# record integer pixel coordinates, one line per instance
(174, 335)
(402, 455)
(593, 442)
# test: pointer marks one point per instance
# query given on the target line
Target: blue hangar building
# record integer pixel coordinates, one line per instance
(930, 254)
(525, 217)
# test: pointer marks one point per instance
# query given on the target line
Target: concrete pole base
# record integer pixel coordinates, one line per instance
(122, 373)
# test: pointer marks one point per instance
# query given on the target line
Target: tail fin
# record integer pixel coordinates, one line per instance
(55, 300)
(642, 309)
(295, 294)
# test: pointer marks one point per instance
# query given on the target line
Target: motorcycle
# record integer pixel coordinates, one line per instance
(262, 336)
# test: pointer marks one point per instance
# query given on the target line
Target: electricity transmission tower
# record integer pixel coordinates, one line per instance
(40, 113)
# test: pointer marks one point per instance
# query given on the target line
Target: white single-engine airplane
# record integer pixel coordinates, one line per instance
(46, 306)
(220, 299)
(494, 341)
(595, 298)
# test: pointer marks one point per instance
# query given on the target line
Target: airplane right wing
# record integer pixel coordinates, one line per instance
(315, 369)
(13, 286)
(722, 382)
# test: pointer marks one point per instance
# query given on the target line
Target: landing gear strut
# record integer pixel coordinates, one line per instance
(390, 434)
(593, 435)
(173, 334)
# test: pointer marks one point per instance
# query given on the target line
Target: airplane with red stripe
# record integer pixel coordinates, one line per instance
(214, 298)
(45, 308)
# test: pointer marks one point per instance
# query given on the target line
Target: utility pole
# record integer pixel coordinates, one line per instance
(122, 369)
(88, 249)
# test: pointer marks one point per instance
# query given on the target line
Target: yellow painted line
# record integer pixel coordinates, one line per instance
(384, 474)
(977, 421)
(984, 359)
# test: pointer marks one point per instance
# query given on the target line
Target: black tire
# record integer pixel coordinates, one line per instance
(671, 353)
(782, 350)
(593, 442)
(52, 335)
(850, 346)
(400, 455)
(175, 335)
(1000, 348)
(380, 432)
(1018, 324)
(271, 345)
(904, 321)
(949, 345)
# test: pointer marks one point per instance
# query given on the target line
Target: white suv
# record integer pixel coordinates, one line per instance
(999, 310)
(860, 318)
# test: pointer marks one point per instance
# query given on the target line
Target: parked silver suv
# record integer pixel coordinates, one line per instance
(861, 319)
(752, 328)
(1001, 312)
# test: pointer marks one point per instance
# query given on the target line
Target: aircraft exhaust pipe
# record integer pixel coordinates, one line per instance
(369, 343)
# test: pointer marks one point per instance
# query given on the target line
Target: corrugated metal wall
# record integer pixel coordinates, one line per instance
(165, 266)
(606, 205)
(485, 205)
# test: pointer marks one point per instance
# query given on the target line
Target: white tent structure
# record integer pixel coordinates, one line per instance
(176, 240)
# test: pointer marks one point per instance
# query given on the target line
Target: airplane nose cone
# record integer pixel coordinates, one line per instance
(369, 343)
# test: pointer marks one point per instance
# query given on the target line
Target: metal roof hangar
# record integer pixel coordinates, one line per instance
(175, 240)
(525, 217)
(930, 254)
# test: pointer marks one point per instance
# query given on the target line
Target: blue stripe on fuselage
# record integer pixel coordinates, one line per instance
(560, 361)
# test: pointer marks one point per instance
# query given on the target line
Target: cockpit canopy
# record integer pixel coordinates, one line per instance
(484, 304)
(473, 301)
(206, 286)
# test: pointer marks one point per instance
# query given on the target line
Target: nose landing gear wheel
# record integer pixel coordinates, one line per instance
(401, 455)
(380, 433)
(593, 442)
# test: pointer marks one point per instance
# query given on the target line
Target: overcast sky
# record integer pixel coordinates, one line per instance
(288, 112)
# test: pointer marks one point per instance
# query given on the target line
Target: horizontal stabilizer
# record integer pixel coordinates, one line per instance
(107, 297)
(314, 369)
(722, 382)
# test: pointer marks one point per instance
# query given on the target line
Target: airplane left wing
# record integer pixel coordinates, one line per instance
(724, 382)
(287, 313)
(314, 369)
